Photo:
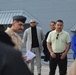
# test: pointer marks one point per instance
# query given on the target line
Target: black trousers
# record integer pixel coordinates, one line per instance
(62, 64)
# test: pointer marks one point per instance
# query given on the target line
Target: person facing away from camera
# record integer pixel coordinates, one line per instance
(5, 38)
(11, 61)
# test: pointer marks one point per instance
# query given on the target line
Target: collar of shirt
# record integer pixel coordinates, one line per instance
(12, 32)
(59, 33)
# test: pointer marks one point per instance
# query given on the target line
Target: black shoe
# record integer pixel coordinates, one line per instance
(39, 74)
(32, 74)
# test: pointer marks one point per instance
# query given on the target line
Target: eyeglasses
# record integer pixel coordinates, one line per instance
(57, 36)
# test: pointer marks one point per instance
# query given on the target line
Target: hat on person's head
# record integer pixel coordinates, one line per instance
(19, 18)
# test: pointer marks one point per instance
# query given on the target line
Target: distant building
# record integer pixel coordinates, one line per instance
(44, 11)
(7, 18)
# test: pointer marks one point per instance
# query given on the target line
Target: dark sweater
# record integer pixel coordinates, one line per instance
(35, 42)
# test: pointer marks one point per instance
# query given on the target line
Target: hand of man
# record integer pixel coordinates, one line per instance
(24, 58)
(53, 55)
(29, 61)
(63, 55)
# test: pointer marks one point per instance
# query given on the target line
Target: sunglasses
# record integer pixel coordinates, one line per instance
(32, 22)
(57, 36)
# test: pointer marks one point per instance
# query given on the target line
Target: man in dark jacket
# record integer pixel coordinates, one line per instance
(45, 50)
(11, 62)
(5, 38)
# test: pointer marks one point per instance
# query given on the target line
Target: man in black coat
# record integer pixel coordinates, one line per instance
(11, 62)
(5, 38)
(45, 50)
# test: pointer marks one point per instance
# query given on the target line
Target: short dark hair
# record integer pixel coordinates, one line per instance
(59, 21)
(53, 22)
